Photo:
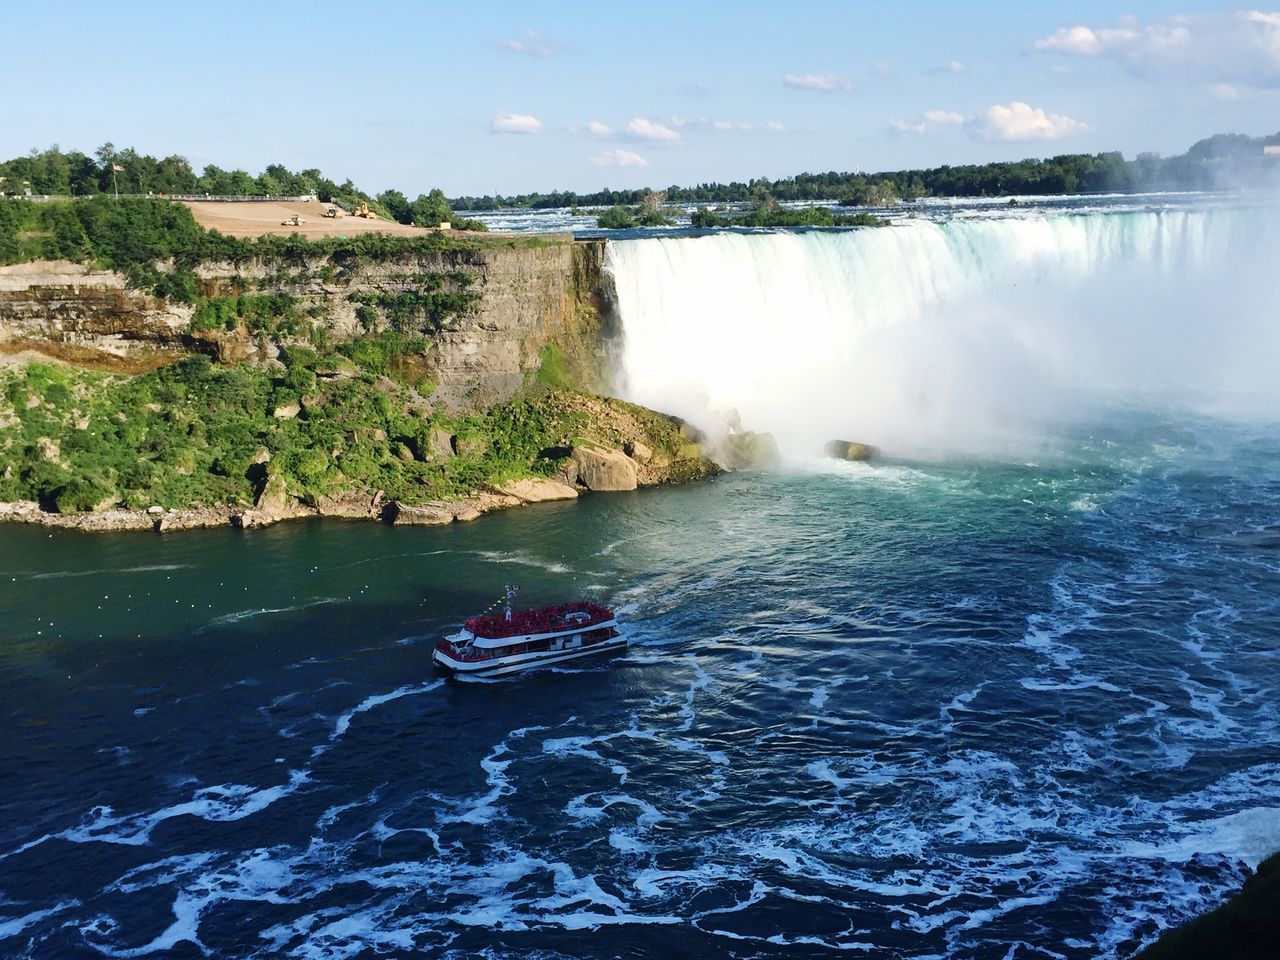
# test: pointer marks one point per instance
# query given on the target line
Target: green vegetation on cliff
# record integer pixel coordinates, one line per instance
(358, 418)
(1246, 927)
(157, 243)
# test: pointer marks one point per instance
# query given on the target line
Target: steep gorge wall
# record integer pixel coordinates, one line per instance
(67, 304)
(519, 299)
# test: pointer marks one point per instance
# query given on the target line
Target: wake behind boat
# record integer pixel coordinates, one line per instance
(495, 644)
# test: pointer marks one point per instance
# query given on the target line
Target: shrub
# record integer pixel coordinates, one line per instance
(615, 218)
(82, 493)
(368, 317)
(214, 313)
(703, 218)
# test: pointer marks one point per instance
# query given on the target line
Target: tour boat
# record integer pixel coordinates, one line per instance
(513, 640)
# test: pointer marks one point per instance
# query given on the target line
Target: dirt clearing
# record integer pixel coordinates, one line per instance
(255, 218)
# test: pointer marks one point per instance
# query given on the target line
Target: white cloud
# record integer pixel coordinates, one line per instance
(907, 126)
(881, 68)
(1060, 69)
(619, 158)
(1077, 40)
(671, 130)
(1021, 121)
(504, 122)
(1223, 92)
(707, 123)
(941, 118)
(1240, 47)
(643, 129)
(951, 66)
(825, 82)
(531, 43)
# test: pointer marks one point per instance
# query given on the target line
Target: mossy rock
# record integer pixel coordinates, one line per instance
(851, 450)
(470, 445)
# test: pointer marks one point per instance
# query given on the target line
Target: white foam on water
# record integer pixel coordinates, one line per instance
(224, 802)
(343, 723)
(504, 556)
(12, 926)
(64, 574)
(1249, 836)
(239, 616)
(591, 807)
(483, 808)
(822, 770)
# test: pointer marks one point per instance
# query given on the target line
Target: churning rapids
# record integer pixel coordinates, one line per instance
(980, 705)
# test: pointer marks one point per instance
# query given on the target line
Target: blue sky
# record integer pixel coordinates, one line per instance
(514, 97)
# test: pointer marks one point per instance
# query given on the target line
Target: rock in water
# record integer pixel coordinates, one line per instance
(535, 490)
(851, 450)
(428, 515)
(604, 469)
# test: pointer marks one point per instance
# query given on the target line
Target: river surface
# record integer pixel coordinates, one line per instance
(975, 709)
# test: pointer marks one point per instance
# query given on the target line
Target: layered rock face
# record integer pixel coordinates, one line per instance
(74, 305)
(515, 301)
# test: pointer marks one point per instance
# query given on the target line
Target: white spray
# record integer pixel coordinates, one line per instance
(964, 335)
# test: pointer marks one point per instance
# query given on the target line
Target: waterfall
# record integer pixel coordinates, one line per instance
(952, 335)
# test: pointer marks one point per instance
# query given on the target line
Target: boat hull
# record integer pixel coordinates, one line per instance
(499, 666)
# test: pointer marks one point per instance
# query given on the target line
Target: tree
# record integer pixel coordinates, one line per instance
(397, 205)
(615, 218)
(431, 210)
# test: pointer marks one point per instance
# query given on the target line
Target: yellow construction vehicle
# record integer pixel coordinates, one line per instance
(333, 211)
(294, 221)
(363, 211)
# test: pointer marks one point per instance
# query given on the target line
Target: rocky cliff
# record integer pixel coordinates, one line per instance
(486, 313)
(62, 308)
(426, 384)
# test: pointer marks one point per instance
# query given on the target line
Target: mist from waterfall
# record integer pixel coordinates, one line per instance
(960, 336)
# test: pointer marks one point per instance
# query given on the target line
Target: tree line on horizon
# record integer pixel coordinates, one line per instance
(1223, 160)
(53, 172)
(1220, 161)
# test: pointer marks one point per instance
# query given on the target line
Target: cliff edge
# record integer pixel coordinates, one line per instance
(416, 380)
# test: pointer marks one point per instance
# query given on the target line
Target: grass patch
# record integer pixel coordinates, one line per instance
(553, 371)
